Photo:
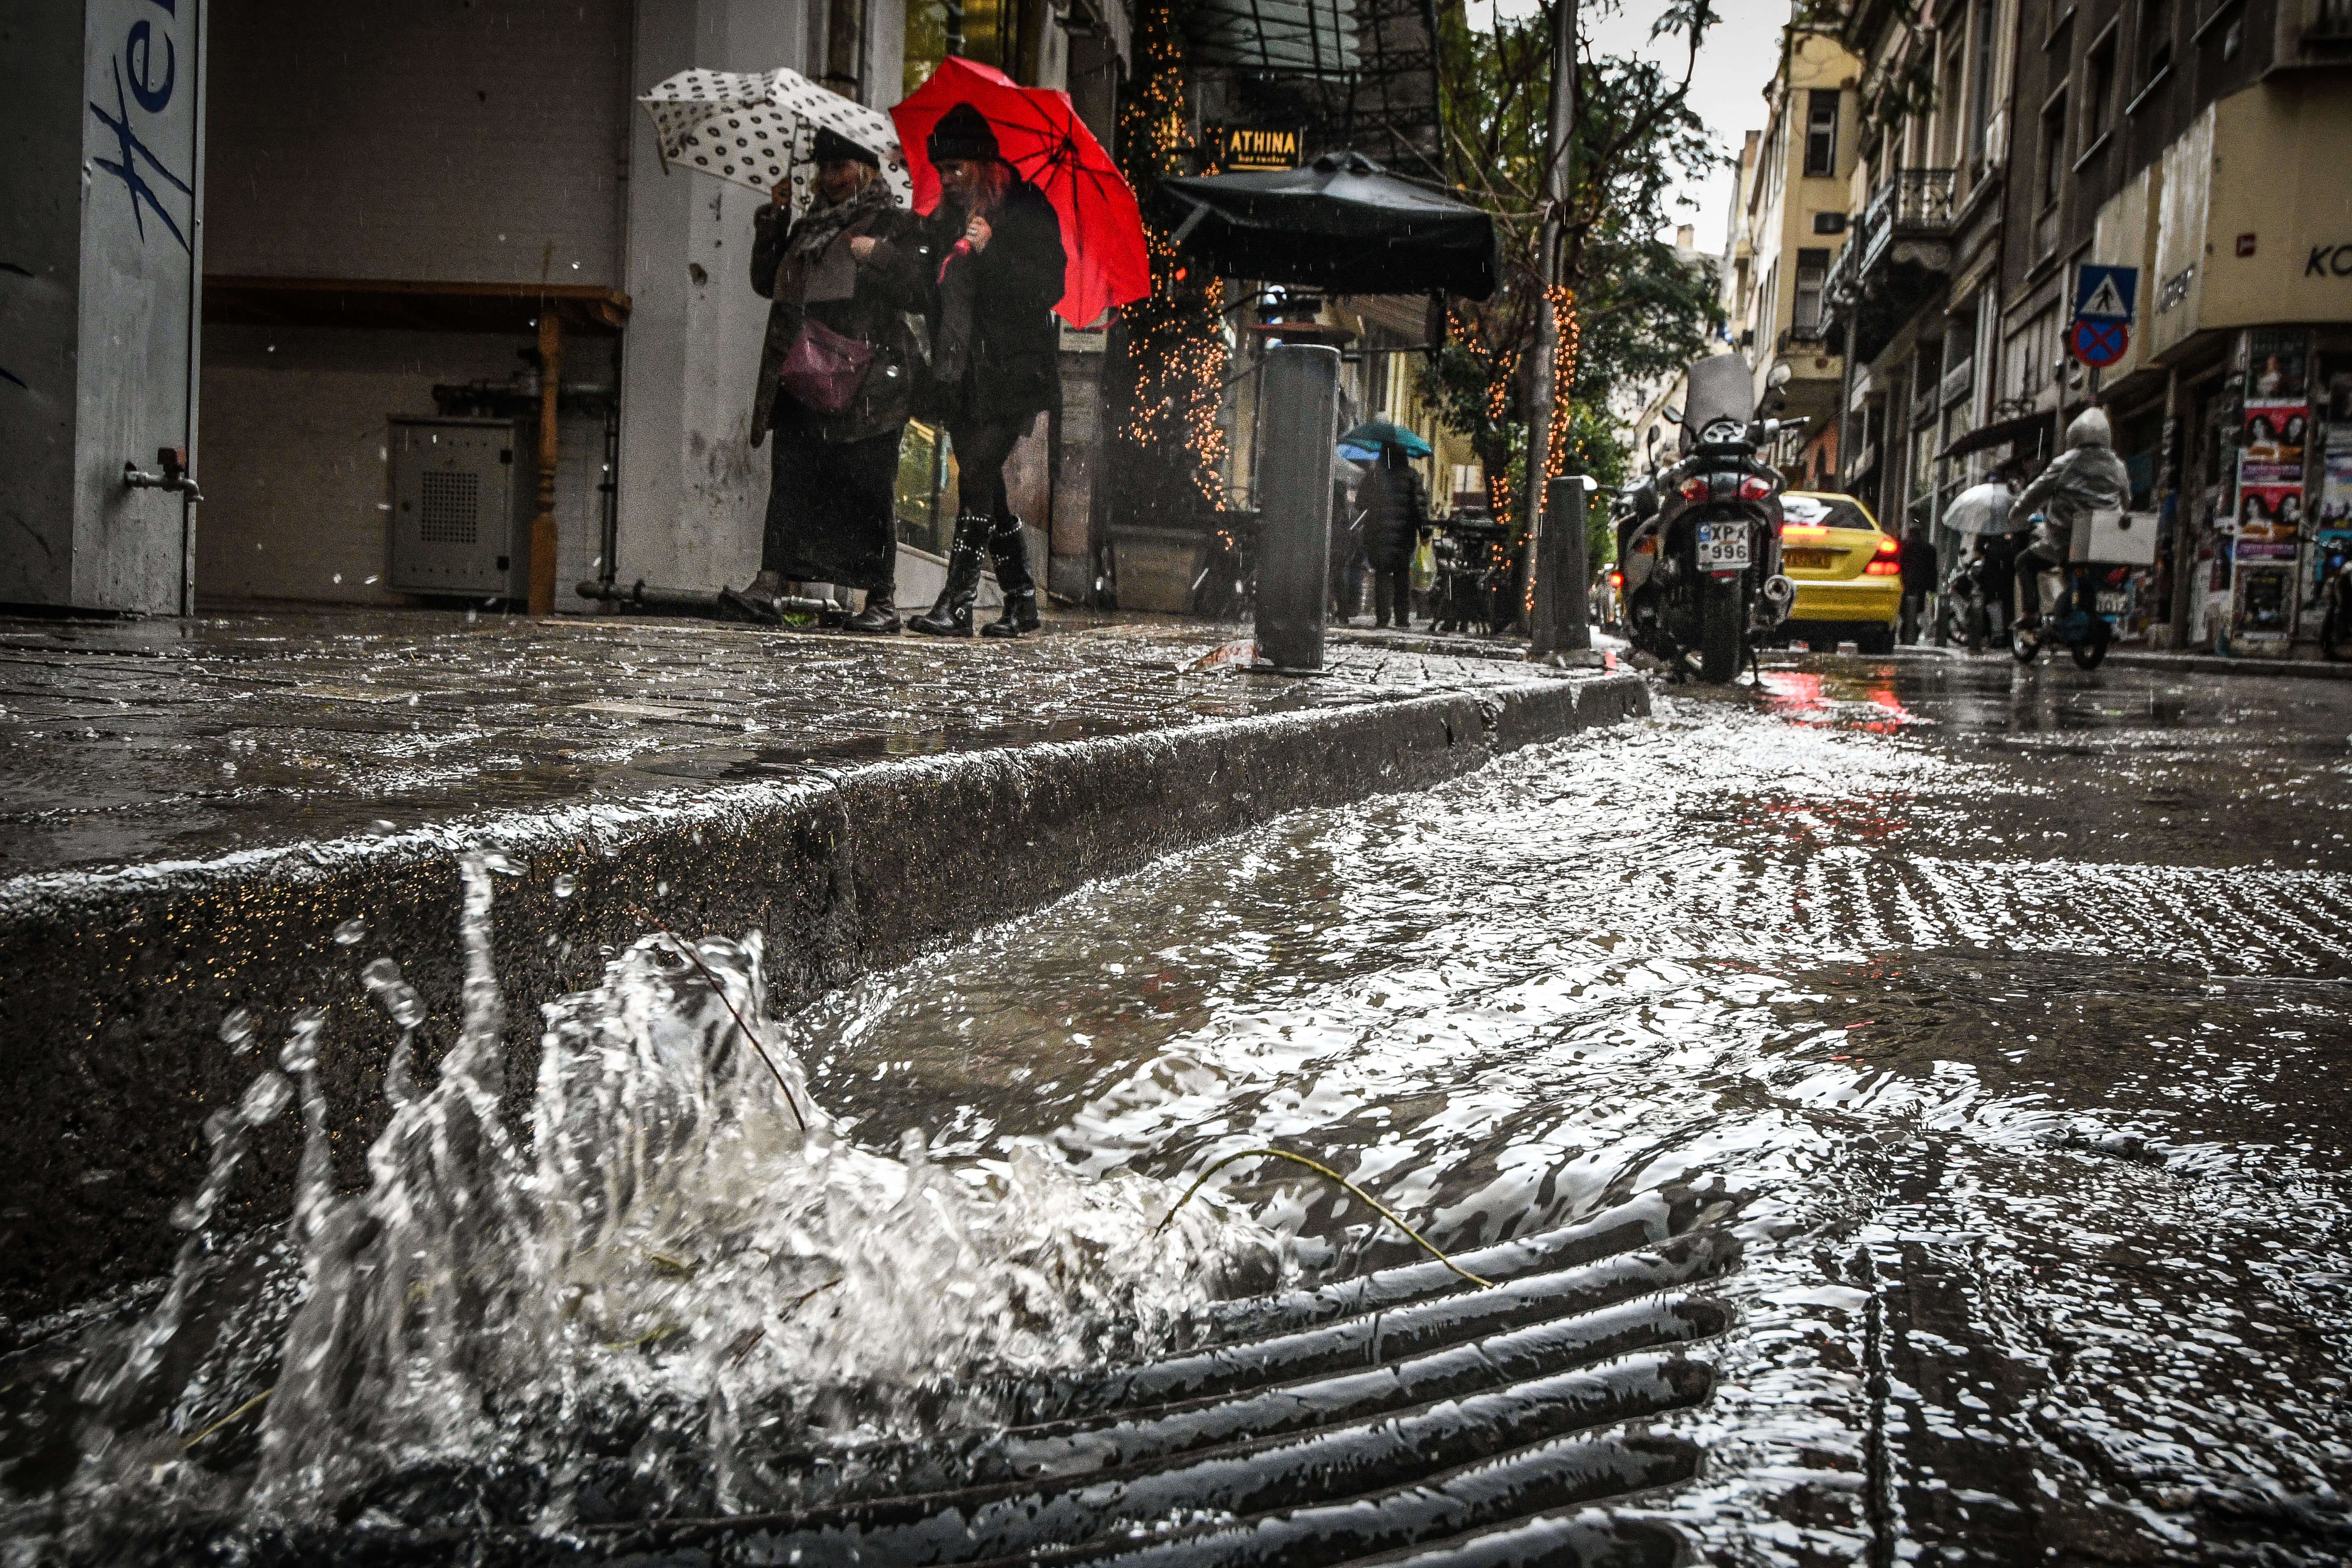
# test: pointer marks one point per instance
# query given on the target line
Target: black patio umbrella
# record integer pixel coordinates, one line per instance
(1342, 223)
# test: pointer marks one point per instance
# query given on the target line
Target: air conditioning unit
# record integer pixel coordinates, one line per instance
(462, 490)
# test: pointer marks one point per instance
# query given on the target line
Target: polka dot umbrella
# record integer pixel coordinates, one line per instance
(756, 128)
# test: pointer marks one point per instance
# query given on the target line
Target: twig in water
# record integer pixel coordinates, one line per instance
(1321, 1170)
(749, 1340)
(249, 1404)
(729, 1003)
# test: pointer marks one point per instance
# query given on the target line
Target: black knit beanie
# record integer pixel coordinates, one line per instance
(833, 147)
(962, 136)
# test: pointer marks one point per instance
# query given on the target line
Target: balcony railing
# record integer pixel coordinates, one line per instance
(2331, 21)
(1915, 204)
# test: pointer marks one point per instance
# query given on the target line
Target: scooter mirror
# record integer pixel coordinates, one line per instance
(1777, 376)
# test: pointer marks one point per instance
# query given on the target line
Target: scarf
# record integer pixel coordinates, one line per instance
(815, 266)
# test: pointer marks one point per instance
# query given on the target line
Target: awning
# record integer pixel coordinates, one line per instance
(1342, 223)
(1279, 37)
(2000, 433)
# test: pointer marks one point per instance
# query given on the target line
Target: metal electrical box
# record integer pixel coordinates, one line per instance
(460, 493)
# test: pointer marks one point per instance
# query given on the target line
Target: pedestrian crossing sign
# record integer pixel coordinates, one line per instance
(2106, 293)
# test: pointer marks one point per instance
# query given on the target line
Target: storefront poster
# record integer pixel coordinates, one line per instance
(2276, 361)
(2264, 605)
(2275, 436)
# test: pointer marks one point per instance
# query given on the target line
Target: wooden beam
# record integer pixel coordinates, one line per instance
(542, 527)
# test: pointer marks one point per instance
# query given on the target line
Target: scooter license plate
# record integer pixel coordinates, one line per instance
(1723, 546)
(2111, 603)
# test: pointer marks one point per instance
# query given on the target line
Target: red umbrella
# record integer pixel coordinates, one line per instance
(1041, 137)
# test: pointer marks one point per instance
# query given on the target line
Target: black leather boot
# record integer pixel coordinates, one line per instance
(951, 615)
(1010, 553)
(879, 618)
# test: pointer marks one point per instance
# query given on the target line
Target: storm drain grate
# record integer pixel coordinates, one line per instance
(1403, 1417)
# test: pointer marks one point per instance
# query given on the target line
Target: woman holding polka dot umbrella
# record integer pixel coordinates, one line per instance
(837, 253)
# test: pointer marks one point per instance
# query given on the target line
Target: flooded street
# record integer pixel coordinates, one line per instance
(2012, 1010)
(1996, 1022)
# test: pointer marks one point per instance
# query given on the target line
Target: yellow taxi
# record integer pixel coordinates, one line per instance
(1848, 572)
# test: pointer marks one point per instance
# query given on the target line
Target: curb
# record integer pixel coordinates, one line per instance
(118, 981)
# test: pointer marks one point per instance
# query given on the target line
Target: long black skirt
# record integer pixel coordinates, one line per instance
(832, 510)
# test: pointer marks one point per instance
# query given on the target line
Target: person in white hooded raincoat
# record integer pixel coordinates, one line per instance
(2087, 476)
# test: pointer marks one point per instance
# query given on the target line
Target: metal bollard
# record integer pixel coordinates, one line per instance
(1298, 425)
(1561, 620)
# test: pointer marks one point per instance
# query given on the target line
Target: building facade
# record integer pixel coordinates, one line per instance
(1788, 232)
(1915, 300)
(2198, 142)
(265, 234)
(2012, 144)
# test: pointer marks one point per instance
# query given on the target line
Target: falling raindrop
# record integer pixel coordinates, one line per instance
(382, 827)
(564, 885)
(237, 1030)
(352, 933)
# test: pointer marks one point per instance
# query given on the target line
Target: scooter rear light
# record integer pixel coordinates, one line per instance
(1693, 488)
(1617, 580)
(1755, 487)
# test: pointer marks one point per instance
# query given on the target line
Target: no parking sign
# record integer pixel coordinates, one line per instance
(2104, 299)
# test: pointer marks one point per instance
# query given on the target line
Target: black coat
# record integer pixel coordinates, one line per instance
(1015, 366)
(891, 283)
(1396, 508)
(1918, 558)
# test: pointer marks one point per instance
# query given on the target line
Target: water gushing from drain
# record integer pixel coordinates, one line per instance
(677, 1276)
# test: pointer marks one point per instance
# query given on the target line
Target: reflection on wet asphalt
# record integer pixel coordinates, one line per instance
(2010, 1008)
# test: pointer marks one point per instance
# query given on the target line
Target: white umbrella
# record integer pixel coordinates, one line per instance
(755, 128)
(1980, 508)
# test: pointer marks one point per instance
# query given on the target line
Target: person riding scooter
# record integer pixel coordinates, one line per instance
(2087, 476)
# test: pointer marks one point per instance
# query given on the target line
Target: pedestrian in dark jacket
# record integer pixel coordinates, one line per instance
(1396, 508)
(1917, 560)
(1998, 577)
(995, 360)
(850, 267)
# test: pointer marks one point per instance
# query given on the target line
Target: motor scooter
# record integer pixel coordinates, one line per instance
(1699, 542)
(2077, 625)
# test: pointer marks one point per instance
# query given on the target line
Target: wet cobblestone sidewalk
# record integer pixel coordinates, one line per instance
(133, 741)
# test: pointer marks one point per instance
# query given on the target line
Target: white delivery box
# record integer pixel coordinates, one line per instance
(2112, 538)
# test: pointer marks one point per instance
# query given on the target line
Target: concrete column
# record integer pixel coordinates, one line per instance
(1300, 416)
(1071, 569)
(101, 247)
(693, 492)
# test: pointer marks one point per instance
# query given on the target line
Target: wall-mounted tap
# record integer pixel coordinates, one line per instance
(170, 473)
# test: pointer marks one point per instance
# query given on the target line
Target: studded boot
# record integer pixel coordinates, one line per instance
(1010, 553)
(951, 617)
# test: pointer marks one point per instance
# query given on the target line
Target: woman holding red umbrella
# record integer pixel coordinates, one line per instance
(994, 362)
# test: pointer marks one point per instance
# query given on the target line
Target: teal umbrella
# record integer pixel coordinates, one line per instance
(1374, 434)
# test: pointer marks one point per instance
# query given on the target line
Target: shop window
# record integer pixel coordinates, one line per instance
(1820, 133)
(975, 29)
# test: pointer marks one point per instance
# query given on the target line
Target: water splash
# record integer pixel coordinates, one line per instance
(682, 1284)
